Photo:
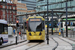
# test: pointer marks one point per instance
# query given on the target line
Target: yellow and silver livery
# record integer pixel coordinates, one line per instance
(35, 28)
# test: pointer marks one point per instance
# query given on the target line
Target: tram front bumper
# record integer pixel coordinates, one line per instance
(35, 38)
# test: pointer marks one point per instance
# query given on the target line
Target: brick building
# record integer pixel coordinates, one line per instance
(8, 11)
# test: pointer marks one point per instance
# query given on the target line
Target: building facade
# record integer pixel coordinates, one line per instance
(55, 5)
(8, 12)
(21, 7)
(30, 4)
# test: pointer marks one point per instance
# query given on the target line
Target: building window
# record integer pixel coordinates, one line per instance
(7, 11)
(13, 7)
(10, 7)
(3, 6)
(13, 18)
(10, 11)
(3, 12)
(21, 8)
(14, 12)
(7, 7)
(40, 0)
(10, 18)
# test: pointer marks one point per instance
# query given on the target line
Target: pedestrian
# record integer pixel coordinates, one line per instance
(20, 33)
(14, 31)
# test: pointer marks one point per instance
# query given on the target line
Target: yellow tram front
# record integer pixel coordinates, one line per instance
(35, 28)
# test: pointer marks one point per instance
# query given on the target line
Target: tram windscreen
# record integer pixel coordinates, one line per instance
(35, 25)
(3, 28)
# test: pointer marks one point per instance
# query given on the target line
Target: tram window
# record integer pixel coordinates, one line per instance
(43, 25)
(5, 29)
(29, 28)
(35, 26)
(1, 28)
(39, 27)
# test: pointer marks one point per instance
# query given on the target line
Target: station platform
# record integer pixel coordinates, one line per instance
(55, 43)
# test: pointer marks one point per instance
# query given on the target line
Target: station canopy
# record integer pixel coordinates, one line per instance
(55, 12)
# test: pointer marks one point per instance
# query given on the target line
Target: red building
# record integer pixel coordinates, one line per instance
(8, 11)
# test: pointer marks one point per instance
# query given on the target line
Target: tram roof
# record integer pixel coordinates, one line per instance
(3, 21)
(36, 17)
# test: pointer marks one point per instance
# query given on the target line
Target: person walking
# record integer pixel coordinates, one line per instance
(20, 33)
(14, 31)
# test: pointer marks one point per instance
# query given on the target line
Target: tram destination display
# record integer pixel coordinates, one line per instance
(35, 19)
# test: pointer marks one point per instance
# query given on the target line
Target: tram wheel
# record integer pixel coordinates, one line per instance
(0, 41)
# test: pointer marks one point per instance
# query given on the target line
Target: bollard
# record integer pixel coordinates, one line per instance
(16, 40)
(47, 38)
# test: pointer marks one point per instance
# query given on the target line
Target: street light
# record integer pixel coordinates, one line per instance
(66, 18)
(47, 25)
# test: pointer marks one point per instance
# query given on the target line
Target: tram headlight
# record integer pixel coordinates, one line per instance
(30, 34)
(40, 33)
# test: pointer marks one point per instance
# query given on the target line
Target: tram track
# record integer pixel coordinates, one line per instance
(33, 46)
(67, 42)
(58, 44)
(36, 44)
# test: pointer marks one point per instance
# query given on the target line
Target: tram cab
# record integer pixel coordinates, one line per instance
(3, 31)
(35, 28)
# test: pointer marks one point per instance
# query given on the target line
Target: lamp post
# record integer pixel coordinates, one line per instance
(66, 18)
(47, 25)
(52, 22)
(66, 21)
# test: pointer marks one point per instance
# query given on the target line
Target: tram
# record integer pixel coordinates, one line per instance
(35, 28)
(3, 32)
